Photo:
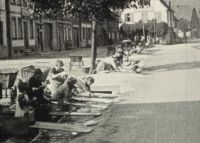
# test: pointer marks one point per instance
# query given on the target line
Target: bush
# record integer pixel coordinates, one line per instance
(68, 44)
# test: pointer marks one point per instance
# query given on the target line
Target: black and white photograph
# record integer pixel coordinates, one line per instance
(99, 71)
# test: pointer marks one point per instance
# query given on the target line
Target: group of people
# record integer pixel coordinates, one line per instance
(36, 94)
(125, 59)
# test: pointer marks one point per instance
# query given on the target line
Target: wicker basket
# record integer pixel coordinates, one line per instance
(76, 59)
(7, 78)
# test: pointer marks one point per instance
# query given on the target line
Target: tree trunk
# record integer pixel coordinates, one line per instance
(94, 48)
(41, 34)
(8, 26)
(80, 31)
(185, 37)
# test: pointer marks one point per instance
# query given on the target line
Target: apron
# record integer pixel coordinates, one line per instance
(19, 112)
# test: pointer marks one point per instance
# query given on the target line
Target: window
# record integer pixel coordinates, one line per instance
(20, 36)
(69, 34)
(158, 16)
(84, 33)
(19, 2)
(145, 17)
(128, 17)
(132, 18)
(109, 35)
(31, 29)
(24, 3)
(66, 34)
(14, 28)
(13, 2)
(90, 33)
(1, 33)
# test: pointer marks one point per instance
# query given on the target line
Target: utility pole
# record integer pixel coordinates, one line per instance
(155, 33)
(41, 34)
(80, 30)
(143, 29)
(94, 48)
(8, 27)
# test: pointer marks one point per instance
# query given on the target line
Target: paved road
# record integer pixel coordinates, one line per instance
(161, 106)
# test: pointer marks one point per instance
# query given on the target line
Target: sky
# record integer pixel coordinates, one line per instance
(193, 3)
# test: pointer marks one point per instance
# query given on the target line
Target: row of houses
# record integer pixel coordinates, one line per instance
(35, 35)
(162, 11)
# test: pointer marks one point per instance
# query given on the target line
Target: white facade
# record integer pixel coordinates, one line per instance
(157, 10)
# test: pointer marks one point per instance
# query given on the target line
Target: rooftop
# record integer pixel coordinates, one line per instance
(183, 11)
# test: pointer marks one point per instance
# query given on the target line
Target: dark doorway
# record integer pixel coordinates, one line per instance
(26, 36)
(1, 33)
(48, 36)
(76, 37)
(39, 44)
(61, 42)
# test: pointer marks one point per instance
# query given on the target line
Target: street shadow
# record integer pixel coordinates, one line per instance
(140, 123)
(150, 51)
(173, 67)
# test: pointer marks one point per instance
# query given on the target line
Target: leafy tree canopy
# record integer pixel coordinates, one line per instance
(161, 29)
(183, 25)
(91, 9)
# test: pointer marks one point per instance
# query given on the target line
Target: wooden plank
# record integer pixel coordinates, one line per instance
(87, 99)
(42, 132)
(105, 88)
(110, 96)
(102, 107)
(75, 114)
(107, 92)
(108, 89)
(62, 127)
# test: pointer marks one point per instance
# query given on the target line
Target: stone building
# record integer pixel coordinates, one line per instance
(32, 34)
(22, 28)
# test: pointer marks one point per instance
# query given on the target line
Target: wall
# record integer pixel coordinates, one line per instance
(18, 43)
(136, 14)
(3, 48)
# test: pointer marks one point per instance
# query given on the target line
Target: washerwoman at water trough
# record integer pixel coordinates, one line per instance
(83, 86)
(57, 77)
(39, 98)
(22, 101)
(112, 63)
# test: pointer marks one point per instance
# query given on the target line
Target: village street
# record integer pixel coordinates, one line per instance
(160, 106)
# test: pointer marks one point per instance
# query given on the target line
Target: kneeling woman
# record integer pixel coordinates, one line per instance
(22, 101)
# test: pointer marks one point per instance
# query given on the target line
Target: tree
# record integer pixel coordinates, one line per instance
(183, 25)
(161, 29)
(194, 24)
(94, 10)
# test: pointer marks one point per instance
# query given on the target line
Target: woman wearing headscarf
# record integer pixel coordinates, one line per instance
(57, 77)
